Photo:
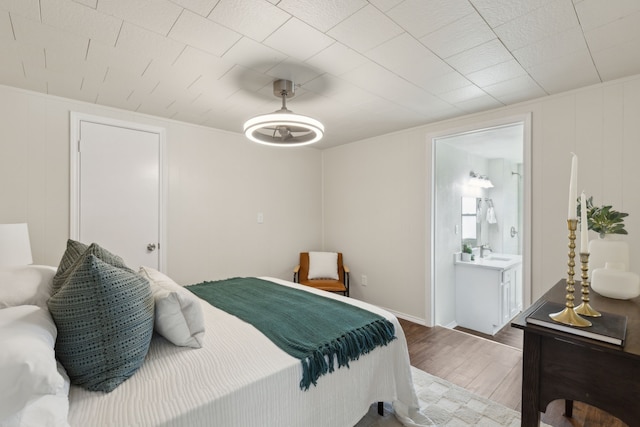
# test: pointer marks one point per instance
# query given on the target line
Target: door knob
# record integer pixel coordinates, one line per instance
(151, 247)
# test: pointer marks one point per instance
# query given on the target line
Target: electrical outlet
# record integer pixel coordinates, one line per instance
(363, 280)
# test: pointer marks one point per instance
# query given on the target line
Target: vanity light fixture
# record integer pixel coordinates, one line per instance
(478, 180)
(283, 128)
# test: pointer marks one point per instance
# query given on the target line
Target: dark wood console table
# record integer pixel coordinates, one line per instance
(558, 365)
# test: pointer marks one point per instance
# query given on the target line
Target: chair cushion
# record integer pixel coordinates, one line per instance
(323, 265)
(104, 316)
(325, 285)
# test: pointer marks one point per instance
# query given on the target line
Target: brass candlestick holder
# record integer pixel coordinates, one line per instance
(585, 309)
(568, 316)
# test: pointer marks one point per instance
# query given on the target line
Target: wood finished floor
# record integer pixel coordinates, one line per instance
(490, 366)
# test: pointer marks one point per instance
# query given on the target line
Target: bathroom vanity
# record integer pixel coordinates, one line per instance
(488, 291)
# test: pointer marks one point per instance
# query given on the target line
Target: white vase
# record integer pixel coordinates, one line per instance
(610, 249)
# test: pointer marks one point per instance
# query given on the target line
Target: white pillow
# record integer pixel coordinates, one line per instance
(323, 265)
(28, 366)
(178, 314)
(25, 285)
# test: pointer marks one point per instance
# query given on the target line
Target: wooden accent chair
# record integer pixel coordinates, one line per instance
(301, 275)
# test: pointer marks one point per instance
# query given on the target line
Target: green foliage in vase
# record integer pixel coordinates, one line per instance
(604, 219)
(466, 249)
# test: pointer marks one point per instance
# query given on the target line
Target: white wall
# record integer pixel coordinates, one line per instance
(218, 182)
(377, 192)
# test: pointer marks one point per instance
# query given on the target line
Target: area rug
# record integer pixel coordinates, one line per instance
(447, 405)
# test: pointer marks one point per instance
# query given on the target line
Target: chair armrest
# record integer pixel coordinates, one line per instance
(296, 272)
(346, 269)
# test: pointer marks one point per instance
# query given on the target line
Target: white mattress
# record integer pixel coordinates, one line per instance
(240, 378)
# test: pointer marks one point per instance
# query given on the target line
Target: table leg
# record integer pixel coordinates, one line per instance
(531, 380)
(568, 408)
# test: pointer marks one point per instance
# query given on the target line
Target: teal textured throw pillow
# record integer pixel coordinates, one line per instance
(74, 256)
(104, 315)
(73, 252)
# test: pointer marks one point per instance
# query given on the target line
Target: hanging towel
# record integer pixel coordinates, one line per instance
(479, 207)
(491, 215)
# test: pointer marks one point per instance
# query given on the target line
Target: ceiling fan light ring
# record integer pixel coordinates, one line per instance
(283, 128)
(253, 127)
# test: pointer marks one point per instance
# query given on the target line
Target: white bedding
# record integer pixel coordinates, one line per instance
(240, 378)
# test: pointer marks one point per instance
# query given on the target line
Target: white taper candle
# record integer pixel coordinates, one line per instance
(573, 191)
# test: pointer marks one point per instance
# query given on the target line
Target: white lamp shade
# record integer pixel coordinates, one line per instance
(15, 247)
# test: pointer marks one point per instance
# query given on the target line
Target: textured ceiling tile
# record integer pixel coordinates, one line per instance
(546, 50)
(254, 55)
(241, 78)
(12, 60)
(421, 17)
(496, 73)
(159, 70)
(614, 33)
(498, 12)
(385, 5)
(201, 7)
(11, 74)
(337, 59)
(479, 57)
(408, 58)
(595, 13)
(322, 15)
(566, 73)
(445, 83)
(515, 90)
(340, 91)
(365, 29)
(618, 61)
(154, 15)
(204, 63)
(202, 33)
(458, 36)
(6, 32)
(78, 19)
(253, 18)
(480, 103)
(91, 3)
(27, 8)
(106, 56)
(44, 36)
(30, 55)
(462, 94)
(211, 89)
(297, 39)
(147, 43)
(298, 72)
(556, 17)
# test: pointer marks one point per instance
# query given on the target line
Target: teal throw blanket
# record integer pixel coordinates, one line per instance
(309, 327)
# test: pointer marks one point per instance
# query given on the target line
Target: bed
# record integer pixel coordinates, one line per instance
(237, 378)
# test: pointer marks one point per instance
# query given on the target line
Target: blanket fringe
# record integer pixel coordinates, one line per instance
(348, 347)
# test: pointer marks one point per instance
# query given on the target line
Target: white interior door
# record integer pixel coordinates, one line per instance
(119, 190)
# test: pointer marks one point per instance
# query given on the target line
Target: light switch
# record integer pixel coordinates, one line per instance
(260, 218)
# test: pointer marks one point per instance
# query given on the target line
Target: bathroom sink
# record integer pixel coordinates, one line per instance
(497, 258)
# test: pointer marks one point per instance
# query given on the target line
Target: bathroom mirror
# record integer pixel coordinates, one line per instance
(470, 226)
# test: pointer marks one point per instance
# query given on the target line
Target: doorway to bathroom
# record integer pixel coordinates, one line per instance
(481, 202)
